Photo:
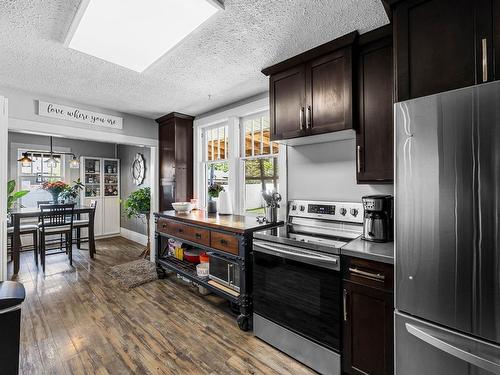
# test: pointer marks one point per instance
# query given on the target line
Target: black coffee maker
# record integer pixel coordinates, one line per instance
(378, 220)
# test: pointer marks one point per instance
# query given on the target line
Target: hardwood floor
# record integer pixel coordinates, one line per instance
(75, 320)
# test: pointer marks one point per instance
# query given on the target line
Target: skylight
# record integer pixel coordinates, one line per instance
(135, 33)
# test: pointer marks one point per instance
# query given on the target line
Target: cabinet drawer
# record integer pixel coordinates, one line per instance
(368, 273)
(224, 242)
(187, 232)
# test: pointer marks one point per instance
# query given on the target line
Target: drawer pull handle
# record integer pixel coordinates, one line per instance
(164, 225)
(197, 235)
(180, 230)
(370, 275)
(223, 242)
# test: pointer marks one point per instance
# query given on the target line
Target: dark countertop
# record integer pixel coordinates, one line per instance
(377, 251)
(231, 223)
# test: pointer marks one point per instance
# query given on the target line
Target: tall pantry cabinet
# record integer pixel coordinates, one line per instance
(101, 180)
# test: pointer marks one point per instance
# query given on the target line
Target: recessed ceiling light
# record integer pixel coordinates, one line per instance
(135, 33)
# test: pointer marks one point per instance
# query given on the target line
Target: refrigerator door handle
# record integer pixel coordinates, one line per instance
(463, 354)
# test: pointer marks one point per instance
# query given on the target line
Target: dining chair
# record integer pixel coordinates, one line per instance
(80, 224)
(56, 219)
(24, 229)
(60, 240)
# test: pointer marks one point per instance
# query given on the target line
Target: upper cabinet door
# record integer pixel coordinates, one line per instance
(329, 92)
(374, 140)
(434, 45)
(287, 94)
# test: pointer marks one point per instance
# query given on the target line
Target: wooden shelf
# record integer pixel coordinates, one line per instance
(188, 270)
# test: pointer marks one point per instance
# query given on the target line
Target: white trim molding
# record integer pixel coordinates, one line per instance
(134, 236)
(4, 133)
(38, 127)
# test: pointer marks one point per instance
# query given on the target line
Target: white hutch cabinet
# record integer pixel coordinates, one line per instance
(101, 180)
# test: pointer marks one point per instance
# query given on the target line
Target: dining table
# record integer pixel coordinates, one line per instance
(17, 214)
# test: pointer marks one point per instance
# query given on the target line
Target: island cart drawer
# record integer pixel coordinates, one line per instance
(224, 242)
(187, 232)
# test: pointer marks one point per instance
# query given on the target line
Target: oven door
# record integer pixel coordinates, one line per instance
(298, 290)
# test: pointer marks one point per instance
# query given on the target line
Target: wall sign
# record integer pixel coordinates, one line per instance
(63, 112)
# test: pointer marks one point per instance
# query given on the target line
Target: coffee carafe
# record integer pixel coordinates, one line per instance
(378, 220)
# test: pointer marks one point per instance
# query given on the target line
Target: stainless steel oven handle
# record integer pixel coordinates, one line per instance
(324, 262)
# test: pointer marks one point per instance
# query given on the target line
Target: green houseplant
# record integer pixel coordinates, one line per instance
(13, 196)
(70, 193)
(138, 205)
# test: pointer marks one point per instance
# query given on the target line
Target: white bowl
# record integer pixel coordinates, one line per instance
(182, 206)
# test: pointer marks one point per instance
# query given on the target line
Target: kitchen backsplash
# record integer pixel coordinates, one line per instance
(327, 171)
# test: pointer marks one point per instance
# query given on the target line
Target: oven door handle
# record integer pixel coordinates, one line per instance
(323, 262)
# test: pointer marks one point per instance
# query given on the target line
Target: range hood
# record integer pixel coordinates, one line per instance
(340, 135)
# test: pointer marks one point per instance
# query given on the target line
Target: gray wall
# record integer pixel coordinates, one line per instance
(126, 154)
(23, 105)
(327, 171)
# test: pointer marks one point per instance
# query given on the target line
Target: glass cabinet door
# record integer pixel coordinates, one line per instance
(92, 179)
(111, 181)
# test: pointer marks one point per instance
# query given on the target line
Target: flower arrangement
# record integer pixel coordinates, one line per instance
(214, 190)
(55, 188)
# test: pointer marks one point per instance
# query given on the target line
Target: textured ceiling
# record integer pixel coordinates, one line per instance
(223, 58)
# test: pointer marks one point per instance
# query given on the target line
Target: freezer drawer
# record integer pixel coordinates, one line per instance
(423, 348)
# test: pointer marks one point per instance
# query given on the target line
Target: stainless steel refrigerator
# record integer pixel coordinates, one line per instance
(447, 233)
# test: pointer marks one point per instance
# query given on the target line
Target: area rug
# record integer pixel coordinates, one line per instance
(135, 273)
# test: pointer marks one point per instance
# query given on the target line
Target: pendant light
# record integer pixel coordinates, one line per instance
(25, 160)
(74, 163)
(51, 161)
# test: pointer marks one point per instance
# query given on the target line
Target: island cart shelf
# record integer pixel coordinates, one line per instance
(227, 236)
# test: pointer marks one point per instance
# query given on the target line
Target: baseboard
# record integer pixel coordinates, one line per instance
(134, 236)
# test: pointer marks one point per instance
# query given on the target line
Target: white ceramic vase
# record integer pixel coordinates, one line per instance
(225, 206)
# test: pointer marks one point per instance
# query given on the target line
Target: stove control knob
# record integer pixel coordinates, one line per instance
(294, 207)
(343, 211)
(302, 208)
(354, 212)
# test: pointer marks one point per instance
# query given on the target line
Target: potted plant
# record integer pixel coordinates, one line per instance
(55, 188)
(213, 192)
(71, 193)
(138, 204)
(13, 196)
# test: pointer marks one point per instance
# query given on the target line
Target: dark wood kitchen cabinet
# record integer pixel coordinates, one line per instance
(287, 92)
(312, 93)
(442, 45)
(374, 109)
(368, 310)
(175, 132)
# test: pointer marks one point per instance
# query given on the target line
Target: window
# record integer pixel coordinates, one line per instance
(259, 156)
(31, 177)
(233, 148)
(216, 147)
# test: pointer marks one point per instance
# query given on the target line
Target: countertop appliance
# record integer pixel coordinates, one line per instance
(378, 223)
(224, 271)
(297, 295)
(447, 318)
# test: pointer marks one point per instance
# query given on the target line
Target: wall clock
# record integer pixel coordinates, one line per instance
(138, 169)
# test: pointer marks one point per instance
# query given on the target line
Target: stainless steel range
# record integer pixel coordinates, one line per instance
(297, 281)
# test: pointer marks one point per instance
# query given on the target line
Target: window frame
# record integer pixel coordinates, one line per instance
(234, 118)
(243, 158)
(44, 154)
